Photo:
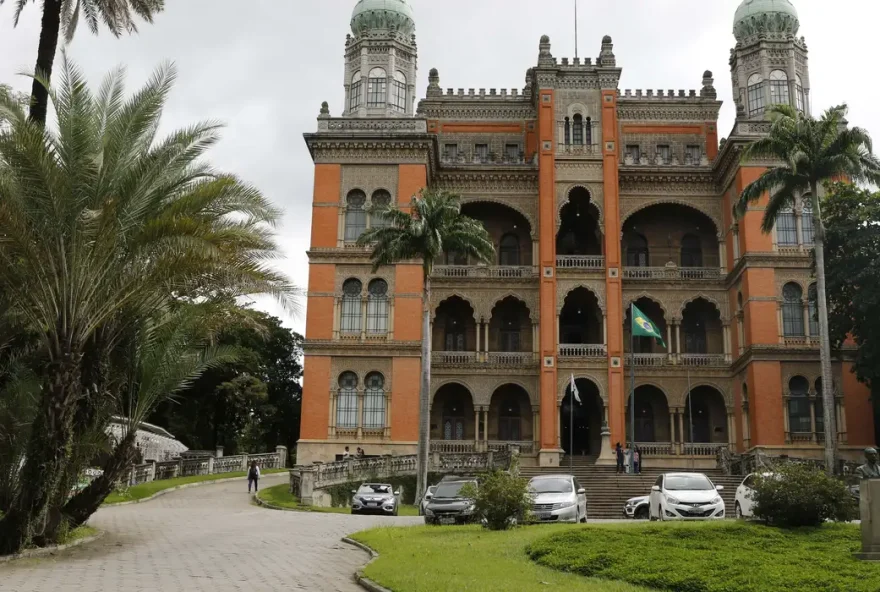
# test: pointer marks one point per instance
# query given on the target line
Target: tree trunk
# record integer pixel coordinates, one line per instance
(50, 28)
(424, 393)
(85, 503)
(46, 455)
(824, 340)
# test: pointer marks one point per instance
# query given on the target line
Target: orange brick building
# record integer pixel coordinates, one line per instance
(596, 198)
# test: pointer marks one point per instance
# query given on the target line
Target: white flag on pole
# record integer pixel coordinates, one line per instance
(574, 391)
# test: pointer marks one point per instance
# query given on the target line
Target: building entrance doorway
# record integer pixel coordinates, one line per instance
(581, 435)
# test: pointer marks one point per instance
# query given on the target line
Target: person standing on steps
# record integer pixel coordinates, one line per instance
(618, 450)
(254, 477)
(637, 461)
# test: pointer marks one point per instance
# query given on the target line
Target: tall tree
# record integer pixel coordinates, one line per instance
(852, 258)
(103, 224)
(809, 152)
(63, 15)
(434, 225)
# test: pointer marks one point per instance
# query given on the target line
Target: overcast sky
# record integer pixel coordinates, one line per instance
(265, 69)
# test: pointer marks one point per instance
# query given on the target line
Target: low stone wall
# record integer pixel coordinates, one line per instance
(210, 465)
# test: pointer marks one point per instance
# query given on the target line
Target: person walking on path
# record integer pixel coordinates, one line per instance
(254, 477)
(637, 461)
(618, 449)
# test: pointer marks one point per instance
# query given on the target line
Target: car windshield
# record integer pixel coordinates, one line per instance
(688, 483)
(556, 485)
(374, 488)
(449, 489)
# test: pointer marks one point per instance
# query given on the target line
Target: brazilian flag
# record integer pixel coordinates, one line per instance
(643, 327)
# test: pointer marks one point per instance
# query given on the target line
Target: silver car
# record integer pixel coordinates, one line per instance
(425, 500)
(558, 498)
(375, 498)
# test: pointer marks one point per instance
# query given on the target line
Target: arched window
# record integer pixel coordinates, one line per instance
(792, 310)
(779, 94)
(398, 91)
(567, 131)
(786, 228)
(691, 251)
(380, 199)
(356, 94)
(812, 310)
(455, 335)
(508, 254)
(374, 402)
(799, 93)
(578, 131)
(509, 422)
(807, 228)
(377, 91)
(694, 326)
(510, 333)
(377, 307)
(637, 251)
(799, 406)
(453, 418)
(355, 214)
(756, 95)
(346, 401)
(350, 321)
(588, 132)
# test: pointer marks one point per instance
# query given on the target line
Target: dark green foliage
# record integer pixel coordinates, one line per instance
(502, 499)
(714, 557)
(801, 495)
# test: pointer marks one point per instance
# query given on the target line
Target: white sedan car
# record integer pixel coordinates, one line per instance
(685, 496)
(744, 505)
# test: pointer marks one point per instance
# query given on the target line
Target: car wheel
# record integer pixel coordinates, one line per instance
(353, 511)
(396, 511)
(738, 511)
(641, 514)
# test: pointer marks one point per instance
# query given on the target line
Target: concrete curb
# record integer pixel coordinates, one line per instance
(365, 582)
(184, 486)
(42, 551)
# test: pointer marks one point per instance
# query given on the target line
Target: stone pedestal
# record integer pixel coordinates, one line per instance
(606, 455)
(549, 457)
(869, 509)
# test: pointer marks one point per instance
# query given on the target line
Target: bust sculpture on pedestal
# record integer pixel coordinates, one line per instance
(871, 469)
(869, 506)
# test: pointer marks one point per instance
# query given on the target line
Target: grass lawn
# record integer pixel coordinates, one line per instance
(145, 490)
(78, 533)
(468, 558)
(280, 496)
(713, 557)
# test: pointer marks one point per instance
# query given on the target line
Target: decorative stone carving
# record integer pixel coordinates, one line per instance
(578, 171)
(482, 386)
(719, 299)
(484, 300)
(360, 366)
(489, 182)
(369, 178)
(565, 287)
(365, 274)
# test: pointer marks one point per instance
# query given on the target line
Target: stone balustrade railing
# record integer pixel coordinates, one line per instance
(579, 350)
(483, 271)
(647, 359)
(189, 467)
(672, 273)
(704, 449)
(703, 360)
(596, 262)
(650, 449)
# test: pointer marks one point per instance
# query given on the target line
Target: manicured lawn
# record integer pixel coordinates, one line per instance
(147, 489)
(279, 495)
(714, 557)
(469, 558)
(78, 533)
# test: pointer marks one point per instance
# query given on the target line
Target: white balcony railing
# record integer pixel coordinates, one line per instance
(648, 359)
(512, 359)
(703, 449)
(453, 358)
(671, 273)
(483, 271)
(525, 446)
(703, 360)
(453, 446)
(656, 448)
(596, 262)
(587, 350)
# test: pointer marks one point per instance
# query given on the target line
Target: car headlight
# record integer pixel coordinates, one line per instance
(716, 500)
(428, 511)
(470, 509)
(671, 500)
(563, 505)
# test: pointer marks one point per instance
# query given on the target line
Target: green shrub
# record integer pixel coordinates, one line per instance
(801, 495)
(502, 499)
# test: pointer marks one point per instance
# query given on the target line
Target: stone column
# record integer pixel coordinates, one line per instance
(731, 431)
(678, 339)
(363, 318)
(210, 466)
(476, 428)
(486, 426)
(785, 422)
(486, 337)
(672, 446)
(535, 338)
(558, 424)
(841, 418)
(536, 426)
(681, 435)
(219, 453)
(806, 308)
(722, 255)
(479, 331)
(669, 339)
(800, 228)
(813, 419)
(282, 456)
(605, 330)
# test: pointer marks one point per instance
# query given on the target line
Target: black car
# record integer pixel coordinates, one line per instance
(449, 506)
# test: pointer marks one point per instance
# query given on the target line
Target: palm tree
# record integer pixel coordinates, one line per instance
(810, 151)
(434, 225)
(118, 15)
(101, 224)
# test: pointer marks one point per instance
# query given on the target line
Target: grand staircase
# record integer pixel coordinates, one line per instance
(608, 491)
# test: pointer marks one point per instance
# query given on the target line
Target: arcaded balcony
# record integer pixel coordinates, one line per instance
(579, 239)
(666, 242)
(578, 136)
(515, 249)
(582, 329)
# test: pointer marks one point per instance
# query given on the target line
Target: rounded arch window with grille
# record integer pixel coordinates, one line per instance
(786, 228)
(508, 253)
(346, 401)
(377, 307)
(374, 401)
(779, 94)
(578, 129)
(398, 91)
(377, 88)
(756, 95)
(356, 93)
(381, 199)
(792, 310)
(350, 319)
(799, 405)
(355, 214)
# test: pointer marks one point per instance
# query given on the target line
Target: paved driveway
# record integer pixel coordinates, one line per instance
(204, 538)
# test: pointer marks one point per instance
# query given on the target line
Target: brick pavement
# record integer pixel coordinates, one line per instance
(206, 538)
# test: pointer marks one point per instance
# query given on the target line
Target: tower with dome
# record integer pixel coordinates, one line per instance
(597, 198)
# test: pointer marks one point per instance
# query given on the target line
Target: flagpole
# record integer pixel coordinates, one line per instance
(575, 28)
(571, 430)
(632, 399)
(690, 413)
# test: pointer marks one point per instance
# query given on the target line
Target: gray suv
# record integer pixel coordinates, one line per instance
(375, 498)
(449, 506)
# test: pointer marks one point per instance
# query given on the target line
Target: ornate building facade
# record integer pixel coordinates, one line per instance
(595, 198)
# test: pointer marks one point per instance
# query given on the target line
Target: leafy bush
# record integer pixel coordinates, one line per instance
(801, 495)
(502, 499)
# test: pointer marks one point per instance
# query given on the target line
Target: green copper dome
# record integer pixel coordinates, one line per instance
(772, 18)
(382, 16)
